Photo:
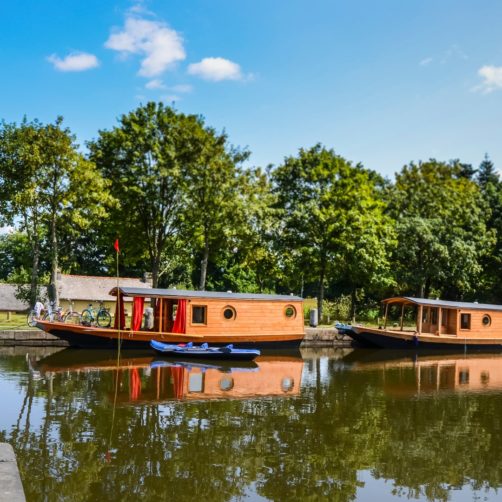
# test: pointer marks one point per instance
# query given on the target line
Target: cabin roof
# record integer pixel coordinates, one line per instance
(183, 293)
(428, 302)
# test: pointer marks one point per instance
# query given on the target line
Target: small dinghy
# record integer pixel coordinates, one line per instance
(204, 351)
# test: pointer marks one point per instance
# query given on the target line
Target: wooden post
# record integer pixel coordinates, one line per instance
(386, 312)
(419, 319)
(161, 324)
(402, 316)
(440, 314)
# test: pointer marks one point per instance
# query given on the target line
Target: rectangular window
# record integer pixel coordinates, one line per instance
(199, 314)
(465, 321)
(196, 382)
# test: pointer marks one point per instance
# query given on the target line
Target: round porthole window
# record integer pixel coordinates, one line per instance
(229, 313)
(290, 312)
(287, 384)
(487, 320)
(226, 383)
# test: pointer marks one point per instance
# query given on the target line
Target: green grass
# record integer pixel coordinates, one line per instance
(17, 321)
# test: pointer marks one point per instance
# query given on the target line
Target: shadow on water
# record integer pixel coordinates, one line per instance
(326, 424)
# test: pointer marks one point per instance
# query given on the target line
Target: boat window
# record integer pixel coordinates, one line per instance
(229, 312)
(199, 314)
(463, 376)
(487, 320)
(196, 382)
(287, 384)
(465, 321)
(290, 312)
(226, 383)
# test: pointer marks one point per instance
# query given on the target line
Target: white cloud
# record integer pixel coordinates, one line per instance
(425, 61)
(160, 45)
(156, 83)
(182, 88)
(492, 79)
(216, 69)
(76, 61)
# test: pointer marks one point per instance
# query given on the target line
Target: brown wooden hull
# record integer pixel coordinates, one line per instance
(374, 337)
(85, 336)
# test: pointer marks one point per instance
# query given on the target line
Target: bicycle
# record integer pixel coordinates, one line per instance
(101, 317)
(71, 316)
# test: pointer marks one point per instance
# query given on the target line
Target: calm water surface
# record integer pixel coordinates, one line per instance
(323, 425)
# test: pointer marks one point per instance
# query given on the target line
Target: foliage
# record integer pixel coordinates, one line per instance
(441, 224)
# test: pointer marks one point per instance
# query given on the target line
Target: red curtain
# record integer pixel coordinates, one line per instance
(138, 305)
(180, 323)
(178, 375)
(119, 313)
(134, 384)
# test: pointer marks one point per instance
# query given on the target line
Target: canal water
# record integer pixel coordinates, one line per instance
(336, 425)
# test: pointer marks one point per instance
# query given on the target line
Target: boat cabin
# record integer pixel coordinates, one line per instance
(208, 313)
(438, 317)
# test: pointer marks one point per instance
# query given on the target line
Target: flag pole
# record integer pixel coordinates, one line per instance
(118, 309)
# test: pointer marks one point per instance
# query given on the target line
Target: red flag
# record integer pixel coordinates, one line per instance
(116, 246)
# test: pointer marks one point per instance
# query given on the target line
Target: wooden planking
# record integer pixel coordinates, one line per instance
(252, 317)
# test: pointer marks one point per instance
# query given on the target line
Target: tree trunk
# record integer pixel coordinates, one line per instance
(53, 289)
(353, 300)
(203, 266)
(320, 296)
(34, 267)
(155, 271)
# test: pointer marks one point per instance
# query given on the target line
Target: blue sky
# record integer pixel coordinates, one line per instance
(383, 83)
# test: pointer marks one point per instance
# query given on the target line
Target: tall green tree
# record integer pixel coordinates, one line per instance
(327, 205)
(441, 223)
(51, 188)
(213, 188)
(147, 157)
(491, 189)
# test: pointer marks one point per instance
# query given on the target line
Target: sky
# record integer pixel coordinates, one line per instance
(382, 83)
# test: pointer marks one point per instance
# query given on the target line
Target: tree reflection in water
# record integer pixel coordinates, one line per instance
(307, 443)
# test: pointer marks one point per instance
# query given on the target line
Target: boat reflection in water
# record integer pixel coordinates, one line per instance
(433, 373)
(144, 378)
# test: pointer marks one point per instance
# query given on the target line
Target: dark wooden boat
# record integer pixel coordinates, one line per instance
(204, 351)
(244, 320)
(436, 324)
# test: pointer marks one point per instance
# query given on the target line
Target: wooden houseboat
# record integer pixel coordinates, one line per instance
(179, 316)
(430, 373)
(436, 324)
(143, 379)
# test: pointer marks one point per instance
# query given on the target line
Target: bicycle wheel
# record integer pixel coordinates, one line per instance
(48, 317)
(31, 319)
(104, 319)
(72, 318)
(87, 317)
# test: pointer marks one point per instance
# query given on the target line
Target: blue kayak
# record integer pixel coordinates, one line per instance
(204, 351)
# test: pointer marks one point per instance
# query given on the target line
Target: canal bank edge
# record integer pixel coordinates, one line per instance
(11, 488)
(314, 337)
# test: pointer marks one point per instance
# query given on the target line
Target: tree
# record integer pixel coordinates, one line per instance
(441, 227)
(491, 190)
(326, 205)
(214, 190)
(52, 187)
(147, 156)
